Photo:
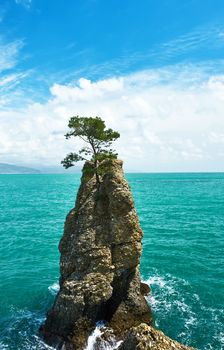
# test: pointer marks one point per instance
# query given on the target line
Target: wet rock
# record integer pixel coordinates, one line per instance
(145, 289)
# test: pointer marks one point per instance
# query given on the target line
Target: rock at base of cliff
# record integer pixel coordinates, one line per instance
(144, 337)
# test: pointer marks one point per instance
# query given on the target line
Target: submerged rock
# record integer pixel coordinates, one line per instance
(99, 266)
(144, 337)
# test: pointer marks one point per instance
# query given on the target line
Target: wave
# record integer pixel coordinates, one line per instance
(96, 339)
(54, 288)
(177, 308)
(20, 329)
(182, 314)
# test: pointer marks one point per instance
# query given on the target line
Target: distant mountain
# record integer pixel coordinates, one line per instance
(59, 170)
(15, 169)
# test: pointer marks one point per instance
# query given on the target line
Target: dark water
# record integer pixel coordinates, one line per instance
(182, 216)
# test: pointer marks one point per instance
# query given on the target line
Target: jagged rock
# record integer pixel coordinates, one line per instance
(100, 254)
(145, 289)
(144, 337)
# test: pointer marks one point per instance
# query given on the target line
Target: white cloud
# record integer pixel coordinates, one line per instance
(11, 76)
(25, 3)
(198, 38)
(176, 125)
(11, 80)
(9, 53)
(216, 137)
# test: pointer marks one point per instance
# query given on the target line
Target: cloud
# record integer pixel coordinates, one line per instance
(202, 37)
(25, 3)
(202, 45)
(9, 53)
(11, 80)
(11, 76)
(171, 124)
(216, 137)
(11, 92)
(200, 42)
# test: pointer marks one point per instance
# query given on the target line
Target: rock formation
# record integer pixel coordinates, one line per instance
(100, 254)
(144, 337)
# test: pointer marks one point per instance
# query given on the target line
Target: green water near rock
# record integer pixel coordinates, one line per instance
(182, 216)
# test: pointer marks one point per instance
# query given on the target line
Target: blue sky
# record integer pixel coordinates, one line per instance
(126, 50)
(98, 38)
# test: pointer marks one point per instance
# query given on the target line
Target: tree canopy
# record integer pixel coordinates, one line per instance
(92, 130)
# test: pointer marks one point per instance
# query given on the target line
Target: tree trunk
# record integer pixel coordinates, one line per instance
(95, 164)
(96, 173)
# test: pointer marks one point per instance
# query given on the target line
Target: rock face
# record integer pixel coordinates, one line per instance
(100, 254)
(144, 337)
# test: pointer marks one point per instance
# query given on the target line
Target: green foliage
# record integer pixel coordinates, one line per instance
(70, 159)
(92, 130)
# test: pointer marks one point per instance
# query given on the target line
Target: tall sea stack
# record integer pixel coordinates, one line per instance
(100, 255)
(99, 267)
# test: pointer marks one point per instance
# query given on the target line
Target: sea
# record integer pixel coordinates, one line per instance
(182, 216)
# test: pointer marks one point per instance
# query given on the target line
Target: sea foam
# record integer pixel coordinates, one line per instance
(54, 288)
(96, 341)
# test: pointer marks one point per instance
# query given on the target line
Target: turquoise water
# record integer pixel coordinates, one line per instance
(182, 216)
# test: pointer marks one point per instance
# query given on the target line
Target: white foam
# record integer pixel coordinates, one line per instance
(54, 288)
(196, 296)
(156, 280)
(96, 342)
(166, 299)
(3, 346)
(191, 321)
(221, 338)
(41, 345)
(152, 300)
(93, 337)
(181, 305)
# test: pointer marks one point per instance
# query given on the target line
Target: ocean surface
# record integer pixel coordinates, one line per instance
(182, 216)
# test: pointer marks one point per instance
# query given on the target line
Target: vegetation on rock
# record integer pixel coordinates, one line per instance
(92, 130)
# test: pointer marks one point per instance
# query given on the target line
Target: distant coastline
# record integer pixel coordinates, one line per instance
(10, 169)
(15, 169)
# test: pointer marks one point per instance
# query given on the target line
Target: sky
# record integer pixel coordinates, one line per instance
(152, 69)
